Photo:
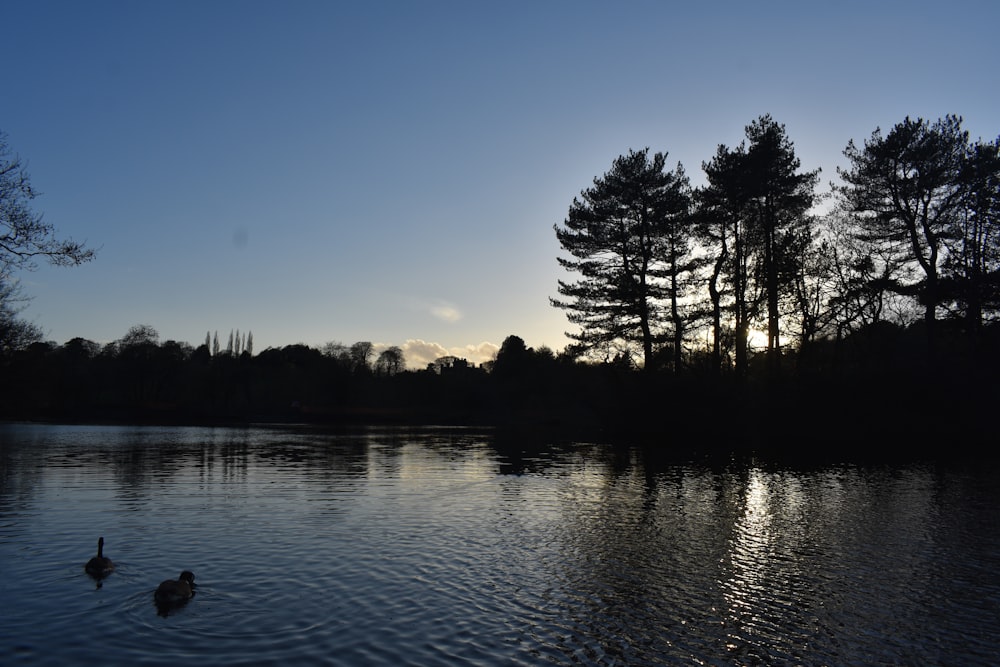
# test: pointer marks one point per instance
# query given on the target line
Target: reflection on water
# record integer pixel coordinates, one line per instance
(443, 547)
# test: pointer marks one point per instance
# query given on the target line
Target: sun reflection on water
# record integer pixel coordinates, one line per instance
(750, 549)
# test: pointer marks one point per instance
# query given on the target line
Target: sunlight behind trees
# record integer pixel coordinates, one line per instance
(915, 225)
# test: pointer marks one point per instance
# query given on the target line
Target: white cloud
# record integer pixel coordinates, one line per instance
(477, 354)
(446, 312)
(419, 353)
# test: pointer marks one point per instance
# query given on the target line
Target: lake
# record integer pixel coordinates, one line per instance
(457, 547)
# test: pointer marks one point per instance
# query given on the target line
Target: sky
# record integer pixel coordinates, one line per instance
(391, 172)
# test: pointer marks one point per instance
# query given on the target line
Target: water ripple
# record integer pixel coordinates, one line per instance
(407, 549)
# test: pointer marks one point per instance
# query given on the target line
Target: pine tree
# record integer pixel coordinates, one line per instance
(616, 234)
(905, 190)
(754, 212)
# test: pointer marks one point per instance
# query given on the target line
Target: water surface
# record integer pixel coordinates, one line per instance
(430, 547)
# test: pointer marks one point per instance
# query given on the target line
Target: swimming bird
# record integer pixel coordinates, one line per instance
(177, 590)
(100, 565)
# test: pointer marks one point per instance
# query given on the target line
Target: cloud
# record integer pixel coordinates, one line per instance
(446, 312)
(477, 354)
(419, 353)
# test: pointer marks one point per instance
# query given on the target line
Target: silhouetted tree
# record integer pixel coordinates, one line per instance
(24, 235)
(753, 212)
(136, 354)
(512, 358)
(779, 198)
(718, 215)
(140, 334)
(390, 361)
(973, 261)
(15, 333)
(615, 232)
(678, 263)
(906, 191)
(361, 356)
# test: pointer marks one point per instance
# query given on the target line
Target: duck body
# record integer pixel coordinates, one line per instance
(100, 565)
(177, 590)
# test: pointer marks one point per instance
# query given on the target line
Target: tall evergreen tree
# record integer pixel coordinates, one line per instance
(754, 212)
(779, 198)
(905, 190)
(719, 215)
(616, 232)
(973, 261)
(678, 262)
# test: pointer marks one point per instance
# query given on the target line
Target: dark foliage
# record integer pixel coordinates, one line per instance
(841, 398)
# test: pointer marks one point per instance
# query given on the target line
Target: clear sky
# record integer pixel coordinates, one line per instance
(391, 171)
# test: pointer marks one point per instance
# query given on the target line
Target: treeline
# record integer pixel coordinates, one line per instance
(867, 391)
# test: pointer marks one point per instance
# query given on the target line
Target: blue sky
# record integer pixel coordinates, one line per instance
(391, 171)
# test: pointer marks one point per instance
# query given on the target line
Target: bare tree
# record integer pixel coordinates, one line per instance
(390, 361)
(24, 235)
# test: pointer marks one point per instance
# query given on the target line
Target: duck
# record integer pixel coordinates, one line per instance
(100, 565)
(177, 590)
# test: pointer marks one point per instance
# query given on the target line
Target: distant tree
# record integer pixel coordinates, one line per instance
(215, 345)
(615, 233)
(140, 334)
(249, 343)
(338, 351)
(512, 358)
(137, 354)
(24, 235)
(81, 348)
(390, 361)
(447, 362)
(905, 189)
(361, 356)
